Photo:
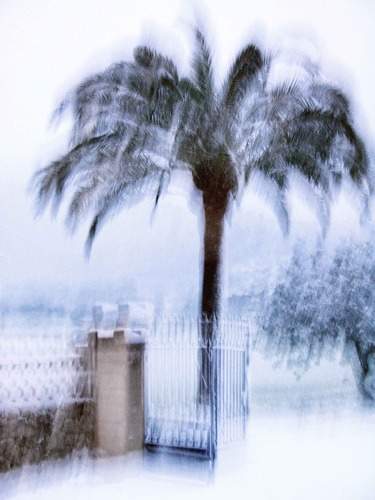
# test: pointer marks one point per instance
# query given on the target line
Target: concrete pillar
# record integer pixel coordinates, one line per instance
(118, 360)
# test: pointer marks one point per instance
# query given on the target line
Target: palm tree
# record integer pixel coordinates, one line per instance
(139, 121)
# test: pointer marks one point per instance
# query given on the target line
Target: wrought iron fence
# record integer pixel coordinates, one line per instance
(178, 416)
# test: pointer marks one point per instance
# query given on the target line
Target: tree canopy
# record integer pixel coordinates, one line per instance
(320, 304)
(139, 120)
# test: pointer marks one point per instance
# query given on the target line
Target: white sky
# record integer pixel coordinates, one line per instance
(49, 45)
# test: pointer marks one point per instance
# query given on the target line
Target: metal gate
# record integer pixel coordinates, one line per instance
(176, 418)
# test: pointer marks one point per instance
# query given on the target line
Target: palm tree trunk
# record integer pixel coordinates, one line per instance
(214, 214)
(214, 220)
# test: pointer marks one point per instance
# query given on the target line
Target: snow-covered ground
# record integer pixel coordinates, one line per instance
(287, 457)
(311, 439)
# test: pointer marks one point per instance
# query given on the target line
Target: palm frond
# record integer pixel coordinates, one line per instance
(134, 181)
(154, 61)
(286, 99)
(242, 75)
(88, 191)
(50, 182)
(270, 178)
(202, 70)
(317, 134)
(329, 98)
(127, 92)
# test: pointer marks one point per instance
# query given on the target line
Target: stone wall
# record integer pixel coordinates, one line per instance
(29, 436)
(101, 385)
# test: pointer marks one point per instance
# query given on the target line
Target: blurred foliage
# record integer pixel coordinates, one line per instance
(322, 304)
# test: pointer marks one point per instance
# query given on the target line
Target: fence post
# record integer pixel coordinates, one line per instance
(118, 390)
(212, 355)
